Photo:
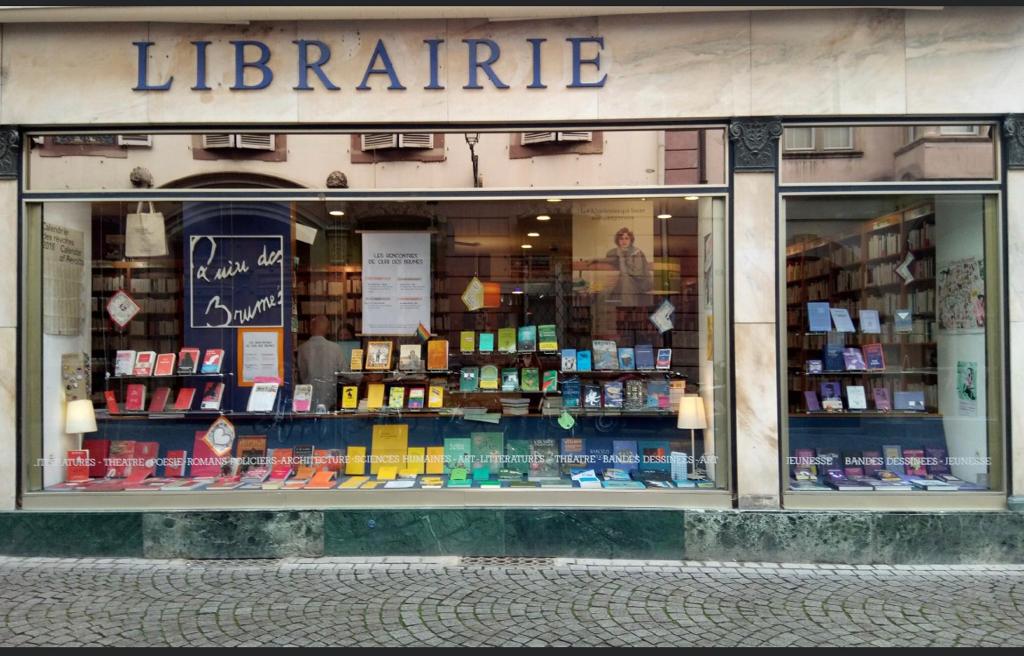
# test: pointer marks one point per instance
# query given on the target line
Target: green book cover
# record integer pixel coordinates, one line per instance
(547, 338)
(507, 340)
(481, 474)
(467, 338)
(544, 460)
(509, 380)
(486, 343)
(518, 452)
(489, 377)
(527, 338)
(457, 452)
(490, 483)
(487, 450)
(530, 381)
(465, 482)
(469, 379)
(550, 383)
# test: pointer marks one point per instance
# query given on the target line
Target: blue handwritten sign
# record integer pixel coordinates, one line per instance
(236, 280)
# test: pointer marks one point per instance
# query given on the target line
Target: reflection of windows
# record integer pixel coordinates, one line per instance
(240, 141)
(534, 138)
(540, 144)
(137, 140)
(915, 132)
(839, 138)
(374, 147)
(810, 139)
(799, 139)
(262, 147)
(378, 140)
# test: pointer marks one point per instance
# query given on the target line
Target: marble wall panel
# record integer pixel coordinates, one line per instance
(757, 423)
(233, 534)
(414, 532)
(8, 418)
(754, 248)
(9, 253)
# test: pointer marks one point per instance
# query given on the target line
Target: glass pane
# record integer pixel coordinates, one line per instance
(799, 138)
(893, 373)
(838, 138)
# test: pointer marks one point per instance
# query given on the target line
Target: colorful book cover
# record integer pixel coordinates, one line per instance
(435, 396)
(654, 455)
(183, 402)
(303, 399)
(526, 339)
(517, 454)
(936, 460)
(457, 453)
(507, 340)
(99, 451)
(625, 455)
(164, 365)
(174, 463)
(571, 393)
(543, 459)
(77, 468)
(212, 360)
(188, 360)
(841, 319)
(573, 454)
(605, 355)
(469, 379)
(350, 397)
(914, 459)
(549, 382)
(664, 360)
(874, 356)
(375, 396)
(583, 361)
(644, 357)
(658, 394)
(396, 397)
(212, 394)
(869, 323)
(205, 463)
(509, 379)
(489, 377)
(302, 456)
(488, 450)
(355, 361)
(486, 343)
(568, 359)
(882, 402)
(437, 355)
(262, 397)
(811, 400)
(613, 394)
(627, 358)
(467, 339)
(252, 450)
(388, 446)
(530, 380)
(135, 398)
(804, 467)
(355, 461)
(547, 338)
(125, 363)
(416, 397)
(819, 320)
(853, 359)
(144, 361)
(599, 454)
(591, 397)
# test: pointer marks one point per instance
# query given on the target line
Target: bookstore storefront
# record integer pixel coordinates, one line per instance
(536, 269)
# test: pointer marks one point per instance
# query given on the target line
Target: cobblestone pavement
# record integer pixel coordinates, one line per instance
(473, 602)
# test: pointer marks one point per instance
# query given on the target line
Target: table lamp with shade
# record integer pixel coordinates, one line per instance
(80, 418)
(691, 415)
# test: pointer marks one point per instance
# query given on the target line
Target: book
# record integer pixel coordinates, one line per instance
(353, 482)
(874, 356)
(349, 397)
(549, 381)
(457, 454)
(526, 339)
(416, 397)
(658, 394)
(164, 365)
(811, 401)
(183, 402)
(225, 483)
(489, 377)
(375, 396)
(831, 389)
(583, 361)
(645, 357)
(568, 359)
(76, 469)
(303, 398)
(174, 463)
(832, 357)
(571, 393)
(212, 394)
(252, 451)
(841, 319)
(305, 466)
(903, 321)
(517, 456)
(547, 338)
(544, 456)
(262, 397)
(281, 468)
(486, 343)
(144, 362)
(387, 473)
(509, 379)
(635, 395)
(212, 361)
(469, 379)
(573, 455)
(322, 480)
(124, 363)
(388, 445)
(188, 361)
(819, 319)
(912, 400)
(355, 361)
(396, 397)
(605, 355)
(99, 452)
(873, 462)
(832, 404)
(158, 402)
(437, 355)
(135, 398)
(813, 366)
(435, 396)
(936, 460)
(855, 398)
(664, 360)
(506, 340)
(205, 463)
(591, 397)
(626, 357)
(882, 403)
(613, 394)
(467, 339)
(530, 379)
(410, 357)
(893, 456)
(625, 455)
(654, 455)
(434, 460)
(853, 359)
(914, 462)
(869, 323)
(355, 461)
(805, 467)
(488, 449)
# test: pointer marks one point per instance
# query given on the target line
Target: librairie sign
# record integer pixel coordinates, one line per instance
(309, 57)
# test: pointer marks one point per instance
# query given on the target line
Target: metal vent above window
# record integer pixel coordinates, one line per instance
(533, 138)
(378, 140)
(416, 140)
(255, 141)
(139, 140)
(218, 141)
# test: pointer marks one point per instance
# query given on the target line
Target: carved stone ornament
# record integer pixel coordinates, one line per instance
(141, 177)
(755, 144)
(1013, 140)
(10, 151)
(337, 180)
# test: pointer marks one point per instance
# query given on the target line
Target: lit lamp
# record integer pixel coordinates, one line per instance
(81, 417)
(691, 415)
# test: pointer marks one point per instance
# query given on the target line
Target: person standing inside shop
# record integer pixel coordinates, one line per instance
(319, 362)
(348, 343)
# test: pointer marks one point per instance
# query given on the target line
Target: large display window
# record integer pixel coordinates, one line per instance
(253, 351)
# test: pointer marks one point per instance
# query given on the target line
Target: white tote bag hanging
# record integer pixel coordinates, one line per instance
(144, 234)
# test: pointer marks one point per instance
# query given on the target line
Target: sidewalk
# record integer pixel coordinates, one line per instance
(481, 601)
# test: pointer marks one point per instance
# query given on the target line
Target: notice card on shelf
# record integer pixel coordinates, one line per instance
(662, 317)
(841, 318)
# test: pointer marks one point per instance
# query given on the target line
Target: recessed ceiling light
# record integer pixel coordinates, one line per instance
(664, 216)
(337, 212)
(543, 217)
(533, 234)
(554, 200)
(526, 246)
(691, 197)
(517, 291)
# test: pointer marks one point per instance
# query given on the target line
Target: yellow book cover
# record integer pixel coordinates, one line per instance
(408, 473)
(437, 354)
(356, 362)
(349, 397)
(369, 485)
(388, 446)
(353, 482)
(435, 398)
(397, 398)
(467, 341)
(430, 481)
(387, 473)
(323, 480)
(435, 460)
(375, 396)
(355, 461)
(415, 458)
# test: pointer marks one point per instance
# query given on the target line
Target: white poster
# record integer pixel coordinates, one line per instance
(261, 354)
(63, 266)
(396, 282)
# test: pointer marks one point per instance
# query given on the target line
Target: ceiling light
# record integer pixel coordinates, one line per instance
(517, 290)
(543, 217)
(691, 197)
(533, 234)
(664, 216)
(526, 246)
(337, 212)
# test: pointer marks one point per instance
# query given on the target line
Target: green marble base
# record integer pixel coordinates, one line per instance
(233, 534)
(71, 534)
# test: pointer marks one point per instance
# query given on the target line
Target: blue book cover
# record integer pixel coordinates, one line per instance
(832, 357)
(625, 455)
(627, 358)
(658, 394)
(526, 339)
(568, 359)
(613, 394)
(486, 343)
(583, 361)
(654, 455)
(571, 393)
(600, 453)
(644, 357)
(818, 317)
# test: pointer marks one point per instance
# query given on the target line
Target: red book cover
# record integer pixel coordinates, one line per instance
(111, 399)
(158, 403)
(122, 452)
(77, 466)
(212, 394)
(205, 463)
(915, 462)
(144, 455)
(175, 464)
(144, 361)
(281, 467)
(164, 365)
(185, 397)
(135, 398)
(99, 451)
(188, 360)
